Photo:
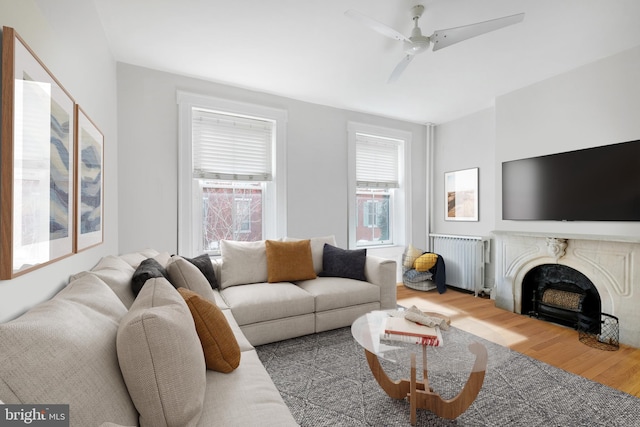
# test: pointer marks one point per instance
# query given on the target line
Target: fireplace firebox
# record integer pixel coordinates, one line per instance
(562, 295)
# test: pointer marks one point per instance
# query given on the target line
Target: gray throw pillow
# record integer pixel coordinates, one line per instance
(148, 269)
(337, 262)
(203, 262)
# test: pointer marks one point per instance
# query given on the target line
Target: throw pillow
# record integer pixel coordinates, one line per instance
(116, 273)
(425, 262)
(337, 262)
(135, 258)
(161, 357)
(410, 255)
(203, 262)
(289, 261)
(148, 269)
(415, 276)
(219, 344)
(184, 274)
(242, 263)
(317, 249)
(63, 350)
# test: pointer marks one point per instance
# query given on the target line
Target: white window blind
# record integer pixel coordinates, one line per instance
(231, 147)
(376, 162)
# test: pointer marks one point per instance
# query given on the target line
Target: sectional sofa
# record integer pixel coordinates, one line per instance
(122, 360)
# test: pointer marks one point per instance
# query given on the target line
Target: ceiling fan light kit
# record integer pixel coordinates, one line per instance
(417, 43)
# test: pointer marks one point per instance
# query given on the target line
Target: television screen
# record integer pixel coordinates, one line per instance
(594, 184)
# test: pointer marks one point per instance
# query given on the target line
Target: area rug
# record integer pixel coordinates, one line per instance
(325, 381)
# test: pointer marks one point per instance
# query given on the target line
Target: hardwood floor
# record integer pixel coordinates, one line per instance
(550, 343)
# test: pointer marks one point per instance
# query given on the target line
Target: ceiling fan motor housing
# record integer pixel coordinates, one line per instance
(419, 43)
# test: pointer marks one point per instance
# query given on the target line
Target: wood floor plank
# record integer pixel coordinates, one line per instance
(550, 343)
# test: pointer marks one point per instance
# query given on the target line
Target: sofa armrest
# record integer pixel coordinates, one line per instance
(382, 272)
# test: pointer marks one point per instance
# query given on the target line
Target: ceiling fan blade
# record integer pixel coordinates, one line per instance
(375, 25)
(400, 68)
(444, 38)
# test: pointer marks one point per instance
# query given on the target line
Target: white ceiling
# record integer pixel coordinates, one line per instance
(309, 50)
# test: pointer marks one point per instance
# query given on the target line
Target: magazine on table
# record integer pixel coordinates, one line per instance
(400, 329)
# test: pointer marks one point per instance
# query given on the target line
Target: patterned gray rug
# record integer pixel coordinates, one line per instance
(325, 381)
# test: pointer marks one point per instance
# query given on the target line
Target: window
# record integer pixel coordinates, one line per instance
(231, 211)
(377, 186)
(231, 173)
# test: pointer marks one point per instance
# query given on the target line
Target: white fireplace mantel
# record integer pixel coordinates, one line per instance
(612, 263)
(570, 236)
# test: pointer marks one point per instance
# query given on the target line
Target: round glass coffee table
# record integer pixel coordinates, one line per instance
(460, 352)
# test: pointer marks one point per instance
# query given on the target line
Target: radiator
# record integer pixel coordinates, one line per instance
(464, 258)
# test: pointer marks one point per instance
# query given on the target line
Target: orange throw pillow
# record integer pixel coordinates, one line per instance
(289, 261)
(220, 347)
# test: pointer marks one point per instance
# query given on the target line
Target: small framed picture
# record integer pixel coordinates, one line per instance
(461, 195)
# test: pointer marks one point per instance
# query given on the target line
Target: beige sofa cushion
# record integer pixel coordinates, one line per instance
(116, 273)
(331, 293)
(183, 274)
(135, 258)
(260, 302)
(219, 345)
(244, 396)
(64, 351)
(242, 263)
(161, 357)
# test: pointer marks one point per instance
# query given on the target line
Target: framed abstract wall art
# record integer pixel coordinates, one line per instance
(37, 161)
(90, 199)
(461, 195)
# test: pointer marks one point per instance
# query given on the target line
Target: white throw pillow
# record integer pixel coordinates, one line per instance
(161, 357)
(243, 263)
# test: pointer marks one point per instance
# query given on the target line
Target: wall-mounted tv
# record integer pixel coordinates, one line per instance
(594, 184)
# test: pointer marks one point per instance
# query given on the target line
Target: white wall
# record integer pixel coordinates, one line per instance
(597, 104)
(67, 36)
(463, 144)
(316, 159)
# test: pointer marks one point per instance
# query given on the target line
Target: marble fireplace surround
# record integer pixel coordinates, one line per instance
(612, 263)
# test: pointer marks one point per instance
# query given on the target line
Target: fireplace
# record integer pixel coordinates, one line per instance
(561, 294)
(611, 264)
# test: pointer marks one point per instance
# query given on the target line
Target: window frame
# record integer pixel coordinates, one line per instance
(400, 212)
(274, 208)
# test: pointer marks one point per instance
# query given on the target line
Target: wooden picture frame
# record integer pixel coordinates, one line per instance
(461, 195)
(89, 183)
(37, 161)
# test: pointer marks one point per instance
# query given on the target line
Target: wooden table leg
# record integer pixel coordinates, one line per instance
(425, 374)
(453, 408)
(396, 389)
(419, 393)
(413, 390)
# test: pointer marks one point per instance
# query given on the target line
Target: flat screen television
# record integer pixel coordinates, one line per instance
(593, 184)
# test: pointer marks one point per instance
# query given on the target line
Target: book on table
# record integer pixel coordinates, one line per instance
(400, 329)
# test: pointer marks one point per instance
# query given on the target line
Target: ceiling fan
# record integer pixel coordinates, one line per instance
(417, 43)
